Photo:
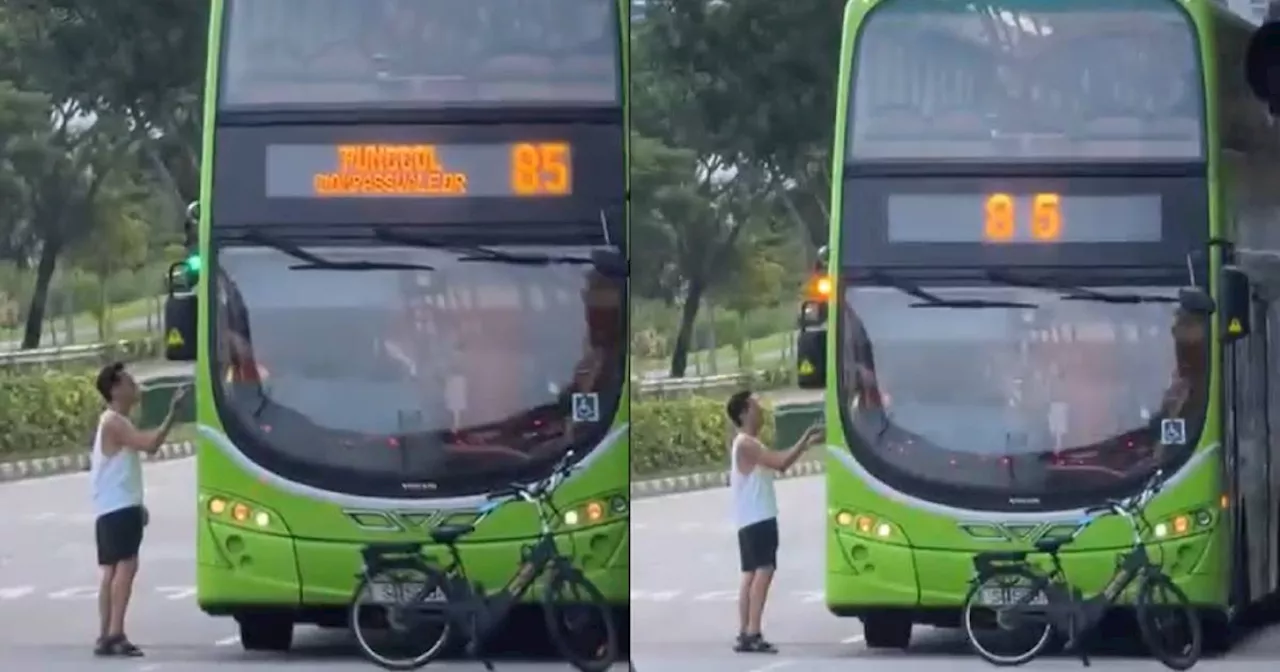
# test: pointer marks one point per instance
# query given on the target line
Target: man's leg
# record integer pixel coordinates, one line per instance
(104, 601)
(761, 579)
(744, 603)
(121, 591)
(130, 540)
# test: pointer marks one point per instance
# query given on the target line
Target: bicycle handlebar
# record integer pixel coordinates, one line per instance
(1130, 508)
(533, 493)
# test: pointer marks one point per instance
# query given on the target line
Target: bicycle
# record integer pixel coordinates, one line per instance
(1045, 602)
(448, 598)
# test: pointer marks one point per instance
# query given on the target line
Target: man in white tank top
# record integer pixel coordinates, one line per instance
(115, 472)
(752, 468)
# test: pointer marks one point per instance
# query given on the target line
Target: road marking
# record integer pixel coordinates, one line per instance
(654, 596)
(149, 667)
(75, 593)
(228, 641)
(642, 596)
(16, 592)
(177, 592)
(853, 640)
(773, 666)
(89, 592)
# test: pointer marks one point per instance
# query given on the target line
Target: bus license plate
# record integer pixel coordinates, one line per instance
(400, 593)
(1007, 596)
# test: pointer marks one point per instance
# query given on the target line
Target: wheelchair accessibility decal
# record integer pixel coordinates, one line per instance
(1173, 432)
(586, 407)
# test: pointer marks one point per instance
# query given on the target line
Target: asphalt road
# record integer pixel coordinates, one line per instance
(684, 592)
(48, 590)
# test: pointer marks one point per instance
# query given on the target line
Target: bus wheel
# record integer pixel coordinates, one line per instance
(887, 630)
(265, 632)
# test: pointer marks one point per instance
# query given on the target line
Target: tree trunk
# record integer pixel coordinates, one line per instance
(40, 294)
(688, 315)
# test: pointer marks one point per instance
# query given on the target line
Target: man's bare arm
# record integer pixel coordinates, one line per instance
(752, 452)
(121, 434)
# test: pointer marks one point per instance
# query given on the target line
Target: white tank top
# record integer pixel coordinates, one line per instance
(117, 480)
(753, 497)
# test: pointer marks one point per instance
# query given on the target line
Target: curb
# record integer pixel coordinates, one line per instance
(18, 470)
(707, 480)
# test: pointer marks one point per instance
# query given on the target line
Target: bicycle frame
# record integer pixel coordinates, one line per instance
(1067, 609)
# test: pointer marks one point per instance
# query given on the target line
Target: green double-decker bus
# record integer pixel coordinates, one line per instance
(411, 292)
(1052, 274)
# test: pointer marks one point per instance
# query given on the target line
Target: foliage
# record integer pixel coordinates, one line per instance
(669, 435)
(733, 107)
(46, 411)
(99, 130)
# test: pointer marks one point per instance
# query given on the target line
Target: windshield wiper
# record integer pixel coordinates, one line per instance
(311, 261)
(489, 254)
(1072, 292)
(930, 300)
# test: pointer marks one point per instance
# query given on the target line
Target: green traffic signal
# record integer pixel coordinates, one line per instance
(193, 264)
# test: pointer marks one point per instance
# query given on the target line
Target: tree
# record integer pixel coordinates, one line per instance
(117, 240)
(743, 92)
(143, 61)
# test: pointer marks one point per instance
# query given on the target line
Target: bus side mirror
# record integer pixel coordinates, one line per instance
(1196, 301)
(1262, 65)
(824, 256)
(1235, 293)
(811, 359)
(611, 264)
(180, 327)
(180, 312)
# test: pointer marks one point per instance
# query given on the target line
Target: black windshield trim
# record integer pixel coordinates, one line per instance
(253, 444)
(971, 168)
(982, 499)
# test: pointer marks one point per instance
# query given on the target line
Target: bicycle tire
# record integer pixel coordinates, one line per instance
(1039, 642)
(591, 599)
(1147, 625)
(433, 576)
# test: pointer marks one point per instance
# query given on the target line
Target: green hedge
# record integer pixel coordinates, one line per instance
(687, 433)
(46, 413)
(55, 411)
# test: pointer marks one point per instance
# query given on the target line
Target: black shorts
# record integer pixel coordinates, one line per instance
(758, 545)
(119, 535)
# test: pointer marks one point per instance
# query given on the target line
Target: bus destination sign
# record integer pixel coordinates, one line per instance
(446, 171)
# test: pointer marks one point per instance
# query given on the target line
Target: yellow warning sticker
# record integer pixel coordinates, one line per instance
(806, 368)
(174, 339)
(1234, 327)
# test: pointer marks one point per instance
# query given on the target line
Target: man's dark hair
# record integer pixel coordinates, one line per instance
(737, 405)
(107, 379)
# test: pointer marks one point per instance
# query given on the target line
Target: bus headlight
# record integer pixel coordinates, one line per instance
(587, 513)
(1183, 524)
(239, 513)
(866, 525)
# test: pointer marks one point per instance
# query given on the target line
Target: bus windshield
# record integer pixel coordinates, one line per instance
(998, 394)
(384, 53)
(390, 368)
(1026, 80)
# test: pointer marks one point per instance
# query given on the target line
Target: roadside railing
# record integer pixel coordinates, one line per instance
(88, 354)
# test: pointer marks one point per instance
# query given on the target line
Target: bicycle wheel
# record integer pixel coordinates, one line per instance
(398, 616)
(1013, 634)
(1161, 604)
(579, 622)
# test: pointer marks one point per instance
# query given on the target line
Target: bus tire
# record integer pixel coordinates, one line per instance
(265, 632)
(887, 629)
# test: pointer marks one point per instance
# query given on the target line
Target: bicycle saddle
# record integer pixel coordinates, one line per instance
(447, 534)
(1051, 544)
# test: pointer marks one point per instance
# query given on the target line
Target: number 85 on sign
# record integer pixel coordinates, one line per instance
(1003, 221)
